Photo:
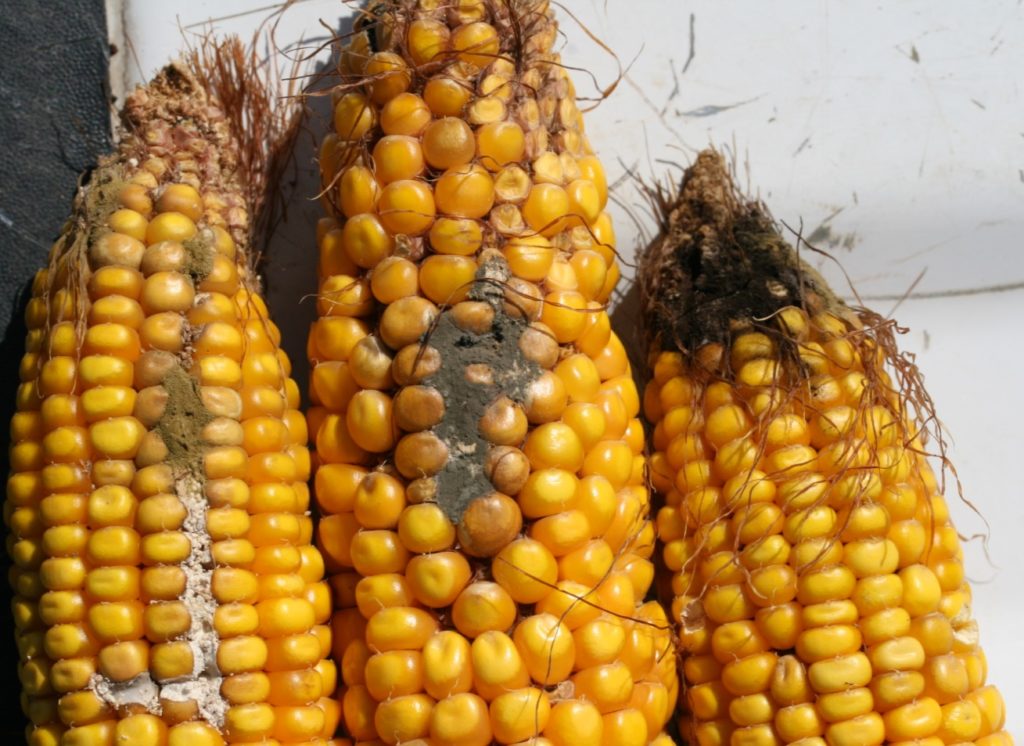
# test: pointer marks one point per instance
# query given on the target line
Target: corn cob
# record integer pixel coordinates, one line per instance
(817, 582)
(166, 589)
(480, 470)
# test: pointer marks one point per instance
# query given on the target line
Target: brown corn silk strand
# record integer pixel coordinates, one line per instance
(815, 578)
(480, 462)
(165, 586)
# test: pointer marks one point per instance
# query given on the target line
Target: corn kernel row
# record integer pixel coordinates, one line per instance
(463, 350)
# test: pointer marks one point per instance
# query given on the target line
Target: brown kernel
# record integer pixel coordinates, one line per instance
(421, 490)
(414, 363)
(489, 524)
(538, 345)
(152, 366)
(473, 316)
(150, 404)
(116, 249)
(162, 512)
(166, 256)
(406, 320)
(507, 468)
(522, 299)
(504, 423)
(370, 364)
(173, 711)
(164, 583)
(136, 197)
(114, 471)
(220, 401)
(418, 408)
(123, 661)
(546, 398)
(152, 451)
(420, 454)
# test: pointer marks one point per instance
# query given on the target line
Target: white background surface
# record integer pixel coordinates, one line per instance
(893, 132)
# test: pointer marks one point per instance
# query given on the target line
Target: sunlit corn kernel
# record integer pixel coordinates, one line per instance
(170, 226)
(448, 143)
(358, 192)
(407, 207)
(117, 437)
(519, 714)
(405, 114)
(461, 237)
(162, 583)
(181, 198)
(425, 528)
(564, 313)
(284, 616)
(446, 97)
(529, 257)
(389, 76)
(165, 547)
(365, 241)
(395, 157)
(476, 43)
(241, 654)
(129, 223)
(465, 191)
(354, 116)
(293, 652)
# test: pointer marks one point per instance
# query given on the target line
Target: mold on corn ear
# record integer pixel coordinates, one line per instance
(815, 578)
(157, 505)
(480, 457)
(719, 260)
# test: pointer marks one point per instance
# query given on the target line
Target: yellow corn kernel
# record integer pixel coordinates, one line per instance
(520, 714)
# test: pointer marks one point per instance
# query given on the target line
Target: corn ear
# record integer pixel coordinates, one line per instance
(480, 463)
(817, 582)
(166, 589)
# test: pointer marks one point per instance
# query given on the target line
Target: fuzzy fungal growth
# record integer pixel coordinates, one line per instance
(485, 517)
(816, 581)
(166, 592)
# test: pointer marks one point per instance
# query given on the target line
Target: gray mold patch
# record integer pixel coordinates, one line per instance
(462, 479)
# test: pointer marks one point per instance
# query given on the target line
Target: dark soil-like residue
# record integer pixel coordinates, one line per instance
(720, 263)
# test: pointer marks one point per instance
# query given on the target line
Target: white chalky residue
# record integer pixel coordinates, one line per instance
(203, 685)
(141, 690)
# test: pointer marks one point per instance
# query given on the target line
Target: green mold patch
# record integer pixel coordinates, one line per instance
(200, 258)
(182, 423)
